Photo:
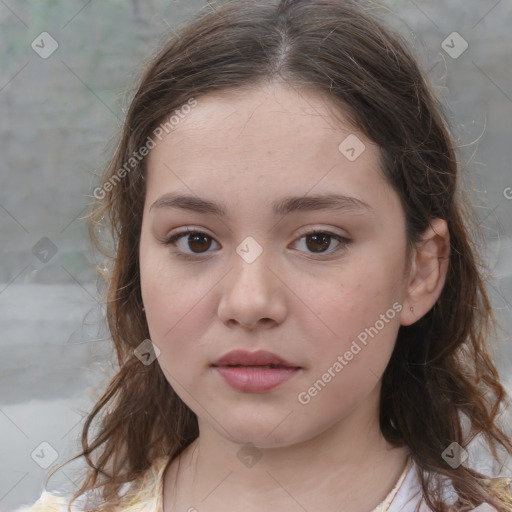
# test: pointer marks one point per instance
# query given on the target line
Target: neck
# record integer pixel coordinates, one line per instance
(348, 466)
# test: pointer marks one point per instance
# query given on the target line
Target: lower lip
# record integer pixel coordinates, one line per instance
(254, 379)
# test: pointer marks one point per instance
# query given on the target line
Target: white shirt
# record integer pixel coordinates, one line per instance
(147, 494)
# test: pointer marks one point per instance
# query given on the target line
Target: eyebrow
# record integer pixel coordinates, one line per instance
(336, 202)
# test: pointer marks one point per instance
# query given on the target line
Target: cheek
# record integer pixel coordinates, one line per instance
(173, 311)
(177, 312)
(356, 313)
(354, 296)
(353, 338)
(177, 322)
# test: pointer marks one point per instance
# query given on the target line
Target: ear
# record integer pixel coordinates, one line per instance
(429, 267)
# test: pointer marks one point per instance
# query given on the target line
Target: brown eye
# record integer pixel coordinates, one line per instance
(198, 242)
(318, 242)
(190, 242)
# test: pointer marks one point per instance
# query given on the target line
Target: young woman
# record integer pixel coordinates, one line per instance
(295, 299)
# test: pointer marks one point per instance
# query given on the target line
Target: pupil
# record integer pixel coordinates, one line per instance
(194, 238)
(324, 240)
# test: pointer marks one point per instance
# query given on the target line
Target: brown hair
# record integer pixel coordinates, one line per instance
(441, 369)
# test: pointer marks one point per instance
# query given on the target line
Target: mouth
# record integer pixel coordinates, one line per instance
(262, 358)
(256, 372)
(255, 379)
(255, 367)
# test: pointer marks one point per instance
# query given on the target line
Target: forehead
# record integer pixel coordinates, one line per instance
(266, 140)
(271, 119)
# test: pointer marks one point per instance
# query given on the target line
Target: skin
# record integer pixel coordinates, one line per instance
(247, 149)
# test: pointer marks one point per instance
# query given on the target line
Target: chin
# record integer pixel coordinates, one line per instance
(262, 432)
(262, 441)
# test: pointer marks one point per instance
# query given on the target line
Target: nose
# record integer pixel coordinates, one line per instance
(252, 295)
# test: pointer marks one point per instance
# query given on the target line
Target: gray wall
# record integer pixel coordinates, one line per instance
(59, 117)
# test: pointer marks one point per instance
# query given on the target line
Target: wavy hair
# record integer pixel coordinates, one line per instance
(441, 385)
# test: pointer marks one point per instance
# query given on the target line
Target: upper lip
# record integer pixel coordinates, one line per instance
(245, 358)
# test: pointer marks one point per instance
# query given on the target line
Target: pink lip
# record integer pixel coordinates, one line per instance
(245, 358)
(255, 379)
(245, 371)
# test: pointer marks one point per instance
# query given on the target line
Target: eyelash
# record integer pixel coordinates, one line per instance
(343, 242)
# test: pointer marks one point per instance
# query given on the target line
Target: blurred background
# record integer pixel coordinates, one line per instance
(67, 73)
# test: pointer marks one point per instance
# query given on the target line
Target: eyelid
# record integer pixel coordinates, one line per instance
(343, 242)
(174, 237)
(304, 231)
(189, 229)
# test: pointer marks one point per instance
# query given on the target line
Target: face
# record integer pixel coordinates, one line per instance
(318, 283)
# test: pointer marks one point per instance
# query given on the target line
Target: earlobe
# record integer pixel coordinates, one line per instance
(428, 272)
